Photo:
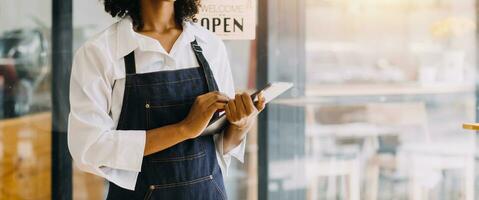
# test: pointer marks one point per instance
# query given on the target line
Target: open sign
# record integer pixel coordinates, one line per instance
(229, 19)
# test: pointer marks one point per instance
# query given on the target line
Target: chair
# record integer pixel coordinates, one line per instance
(330, 160)
(418, 155)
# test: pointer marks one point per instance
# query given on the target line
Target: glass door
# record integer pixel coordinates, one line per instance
(382, 91)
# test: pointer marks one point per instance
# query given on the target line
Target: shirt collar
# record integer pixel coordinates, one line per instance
(128, 40)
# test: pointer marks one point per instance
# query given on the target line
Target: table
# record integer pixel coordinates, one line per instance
(471, 126)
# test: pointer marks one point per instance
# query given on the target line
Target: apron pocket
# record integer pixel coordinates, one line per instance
(163, 103)
(200, 188)
(161, 113)
(200, 154)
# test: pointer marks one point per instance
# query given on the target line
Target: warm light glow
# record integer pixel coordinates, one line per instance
(452, 26)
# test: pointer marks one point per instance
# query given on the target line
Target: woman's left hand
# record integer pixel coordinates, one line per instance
(241, 111)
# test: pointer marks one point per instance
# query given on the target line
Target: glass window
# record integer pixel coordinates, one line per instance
(25, 101)
(241, 182)
(387, 86)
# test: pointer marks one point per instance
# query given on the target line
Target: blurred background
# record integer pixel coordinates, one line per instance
(382, 88)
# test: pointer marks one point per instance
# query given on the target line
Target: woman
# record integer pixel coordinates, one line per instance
(143, 91)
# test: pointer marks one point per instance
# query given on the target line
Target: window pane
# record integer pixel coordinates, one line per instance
(388, 85)
(25, 117)
(241, 181)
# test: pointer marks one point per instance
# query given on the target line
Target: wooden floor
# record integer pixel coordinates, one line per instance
(25, 161)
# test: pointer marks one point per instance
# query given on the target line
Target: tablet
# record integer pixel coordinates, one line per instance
(270, 92)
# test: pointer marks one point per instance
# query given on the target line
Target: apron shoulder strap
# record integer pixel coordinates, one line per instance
(130, 66)
(210, 80)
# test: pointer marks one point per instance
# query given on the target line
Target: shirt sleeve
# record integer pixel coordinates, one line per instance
(94, 143)
(226, 85)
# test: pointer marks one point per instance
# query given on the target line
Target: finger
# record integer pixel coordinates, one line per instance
(211, 94)
(248, 103)
(261, 103)
(232, 107)
(206, 95)
(218, 105)
(256, 97)
(228, 113)
(220, 97)
(214, 107)
(216, 97)
(240, 109)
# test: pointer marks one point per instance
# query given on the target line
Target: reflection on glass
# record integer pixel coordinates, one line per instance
(25, 65)
(25, 119)
(388, 85)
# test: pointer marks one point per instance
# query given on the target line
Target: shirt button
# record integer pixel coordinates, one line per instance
(152, 187)
(147, 105)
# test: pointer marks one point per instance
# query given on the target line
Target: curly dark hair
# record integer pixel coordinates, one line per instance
(184, 10)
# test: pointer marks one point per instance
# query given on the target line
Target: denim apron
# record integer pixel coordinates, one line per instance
(188, 170)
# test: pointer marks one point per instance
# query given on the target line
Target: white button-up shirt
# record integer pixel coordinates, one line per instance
(96, 95)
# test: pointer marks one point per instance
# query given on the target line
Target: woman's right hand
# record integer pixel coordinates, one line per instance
(201, 113)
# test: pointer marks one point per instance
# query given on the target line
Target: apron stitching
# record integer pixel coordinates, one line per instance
(147, 109)
(186, 183)
(223, 195)
(148, 194)
(182, 158)
(161, 72)
(170, 82)
(171, 105)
